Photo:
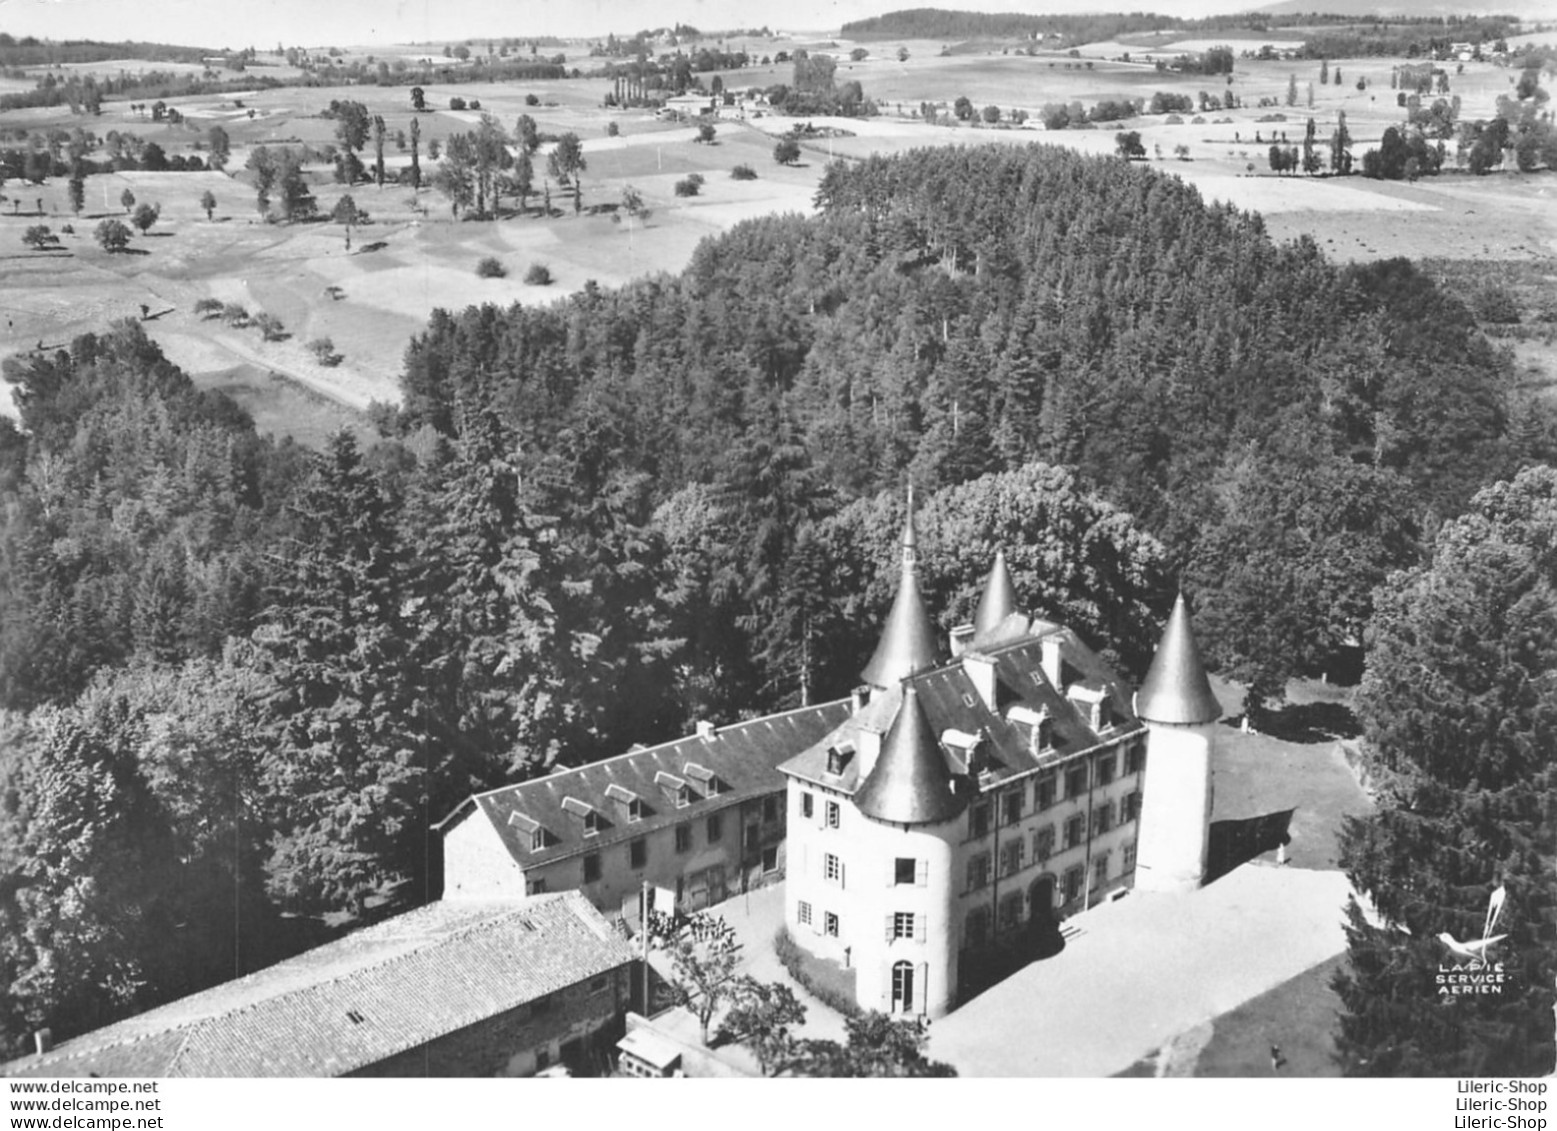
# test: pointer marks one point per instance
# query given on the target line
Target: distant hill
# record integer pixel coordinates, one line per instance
(1414, 9)
(29, 51)
(941, 23)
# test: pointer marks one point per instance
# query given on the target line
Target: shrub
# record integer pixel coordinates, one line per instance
(323, 350)
(743, 173)
(612, 129)
(235, 315)
(1496, 304)
(491, 268)
(827, 982)
(539, 275)
(270, 326)
(209, 308)
(689, 186)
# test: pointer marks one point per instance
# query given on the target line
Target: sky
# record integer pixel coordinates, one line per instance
(314, 23)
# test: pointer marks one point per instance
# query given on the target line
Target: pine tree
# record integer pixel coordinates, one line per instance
(1458, 705)
(352, 731)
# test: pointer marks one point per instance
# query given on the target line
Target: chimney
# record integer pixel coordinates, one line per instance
(961, 637)
(705, 729)
(44, 1040)
(859, 697)
(981, 670)
(1052, 662)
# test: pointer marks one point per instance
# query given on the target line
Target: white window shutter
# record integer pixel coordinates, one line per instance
(921, 873)
(922, 988)
(889, 926)
(920, 927)
(840, 874)
(891, 872)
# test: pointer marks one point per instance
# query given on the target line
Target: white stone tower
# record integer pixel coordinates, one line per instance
(1180, 714)
(906, 951)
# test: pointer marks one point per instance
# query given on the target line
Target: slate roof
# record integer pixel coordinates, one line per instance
(951, 702)
(740, 761)
(908, 641)
(1176, 689)
(351, 1003)
(998, 601)
(910, 783)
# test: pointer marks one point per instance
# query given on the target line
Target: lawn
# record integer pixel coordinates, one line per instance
(1298, 1017)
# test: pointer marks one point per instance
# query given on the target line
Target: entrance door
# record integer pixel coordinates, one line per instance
(902, 988)
(697, 891)
(716, 888)
(1041, 902)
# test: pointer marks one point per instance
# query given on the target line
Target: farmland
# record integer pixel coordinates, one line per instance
(412, 256)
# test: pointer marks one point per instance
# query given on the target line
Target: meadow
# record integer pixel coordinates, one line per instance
(370, 298)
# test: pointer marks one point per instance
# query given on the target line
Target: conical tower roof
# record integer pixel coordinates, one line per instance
(998, 600)
(908, 638)
(910, 783)
(1176, 689)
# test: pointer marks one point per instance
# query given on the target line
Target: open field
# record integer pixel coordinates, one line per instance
(413, 258)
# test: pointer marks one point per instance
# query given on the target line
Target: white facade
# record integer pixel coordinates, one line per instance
(876, 899)
(1026, 852)
(1176, 811)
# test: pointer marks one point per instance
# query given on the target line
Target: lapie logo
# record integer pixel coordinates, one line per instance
(1471, 971)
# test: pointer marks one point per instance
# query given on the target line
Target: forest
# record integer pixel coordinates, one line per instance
(1342, 36)
(241, 679)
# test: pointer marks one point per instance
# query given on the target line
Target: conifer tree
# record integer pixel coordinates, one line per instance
(1458, 704)
(351, 727)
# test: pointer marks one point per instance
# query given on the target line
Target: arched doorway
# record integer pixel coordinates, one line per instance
(902, 987)
(1042, 926)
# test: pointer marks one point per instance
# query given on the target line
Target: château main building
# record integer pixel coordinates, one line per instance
(945, 814)
(963, 806)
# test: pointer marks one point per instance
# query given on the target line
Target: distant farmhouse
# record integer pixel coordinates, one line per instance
(450, 989)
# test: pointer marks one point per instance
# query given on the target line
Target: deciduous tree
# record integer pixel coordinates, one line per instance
(113, 235)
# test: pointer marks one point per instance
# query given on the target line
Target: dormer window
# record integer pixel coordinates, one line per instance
(1040, 727)
(705, 778)
(838, 758)
(628, 803)
(1092, 700)
(588, 816)
(675, 789)
(530, 828)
